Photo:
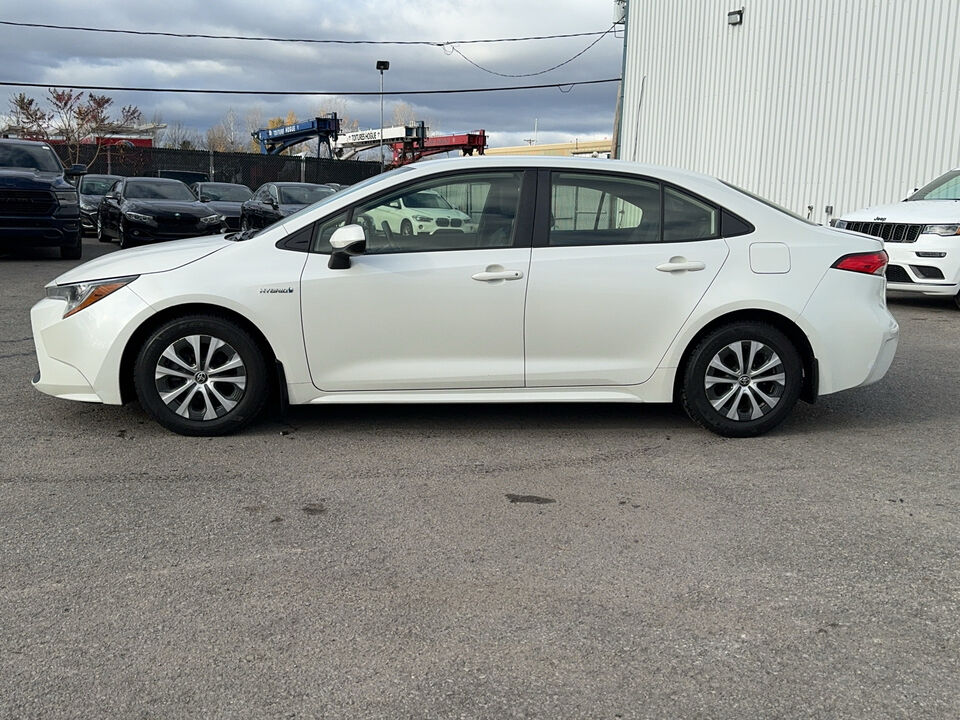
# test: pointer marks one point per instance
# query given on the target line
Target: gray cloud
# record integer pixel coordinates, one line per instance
(64, 57)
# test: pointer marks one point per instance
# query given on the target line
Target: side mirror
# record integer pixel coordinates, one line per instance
(346, 241)
(75, 171)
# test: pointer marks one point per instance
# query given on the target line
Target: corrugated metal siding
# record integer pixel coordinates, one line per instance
(847, 103)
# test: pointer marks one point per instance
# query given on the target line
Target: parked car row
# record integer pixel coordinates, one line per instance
(140, 210)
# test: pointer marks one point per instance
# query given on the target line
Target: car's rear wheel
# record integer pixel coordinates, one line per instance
(742, 379)
(202, 375)
(956, 300)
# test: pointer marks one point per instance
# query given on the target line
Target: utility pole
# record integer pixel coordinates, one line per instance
(381, 66)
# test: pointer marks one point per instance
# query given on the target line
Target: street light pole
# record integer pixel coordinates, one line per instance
(381, 66)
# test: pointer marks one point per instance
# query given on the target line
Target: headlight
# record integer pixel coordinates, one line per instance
(422, 218)
(67, 197)
(839, 224)
(942, 229)
(140, 217)
(210, 219)
(88, 206)
(81, 295)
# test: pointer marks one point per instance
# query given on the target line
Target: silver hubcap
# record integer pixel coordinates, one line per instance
(745, 380)
(200, 377)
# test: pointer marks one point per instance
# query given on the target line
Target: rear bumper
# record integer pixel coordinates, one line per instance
(854, 347)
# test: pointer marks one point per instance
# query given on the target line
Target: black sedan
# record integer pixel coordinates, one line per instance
(142, 210)
(92, 188)
(223, 198)
(274, 201)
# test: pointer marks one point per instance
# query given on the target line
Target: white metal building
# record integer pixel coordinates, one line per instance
(811, 103)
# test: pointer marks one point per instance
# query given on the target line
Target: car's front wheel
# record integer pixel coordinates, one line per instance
(123, 238)
(74, 251)
(956, 300)
(202, 375)
(742, 379)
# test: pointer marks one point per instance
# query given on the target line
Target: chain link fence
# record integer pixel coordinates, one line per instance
(247, 169)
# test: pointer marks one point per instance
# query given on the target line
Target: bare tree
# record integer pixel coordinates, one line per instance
(339, 106)
(403, 113)
(226, 135)
(180, 137)
(28, 118)
(77, 117)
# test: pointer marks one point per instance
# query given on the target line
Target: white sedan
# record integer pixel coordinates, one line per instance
(583, 280)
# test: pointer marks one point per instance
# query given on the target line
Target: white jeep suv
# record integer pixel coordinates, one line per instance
(921, 235)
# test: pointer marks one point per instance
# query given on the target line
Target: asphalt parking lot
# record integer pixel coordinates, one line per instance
(482, 561)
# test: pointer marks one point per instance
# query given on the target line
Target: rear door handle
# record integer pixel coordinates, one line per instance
(488, 276)
(679, 264)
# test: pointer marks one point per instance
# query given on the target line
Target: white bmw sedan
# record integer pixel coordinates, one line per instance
(580, 280)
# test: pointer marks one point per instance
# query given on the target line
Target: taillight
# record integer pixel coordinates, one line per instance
(871, 263)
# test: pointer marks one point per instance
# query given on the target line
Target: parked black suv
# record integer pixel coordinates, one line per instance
(38, 207)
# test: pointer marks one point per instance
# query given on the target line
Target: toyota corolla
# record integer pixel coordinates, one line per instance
(582, 280)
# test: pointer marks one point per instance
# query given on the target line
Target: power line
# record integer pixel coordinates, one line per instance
(197, 91)
(540, 72)
(433, 43)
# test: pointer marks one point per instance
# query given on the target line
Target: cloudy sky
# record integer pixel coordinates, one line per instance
(61, 58)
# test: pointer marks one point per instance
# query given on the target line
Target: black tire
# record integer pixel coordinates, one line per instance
(956, 300)
(406, 228)
(72, 252)
(216, 404)
(244, 224)
(747, 386)
(123, 238)
(101, 235)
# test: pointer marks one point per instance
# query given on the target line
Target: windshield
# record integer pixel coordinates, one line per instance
(303, 194)
(225, 193)
(426, 200)
(31, 157)
(157, 190)
(96, 185)
(768, 203)
(945, 187)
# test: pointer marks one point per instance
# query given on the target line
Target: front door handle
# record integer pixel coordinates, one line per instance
(680, 264)
(494, 276)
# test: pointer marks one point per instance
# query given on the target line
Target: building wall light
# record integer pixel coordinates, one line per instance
(735, 17)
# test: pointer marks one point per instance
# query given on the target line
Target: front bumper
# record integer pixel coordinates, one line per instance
(162, 231)
(88, 220)
(33, 231)
(79, 356)
(909, 272)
